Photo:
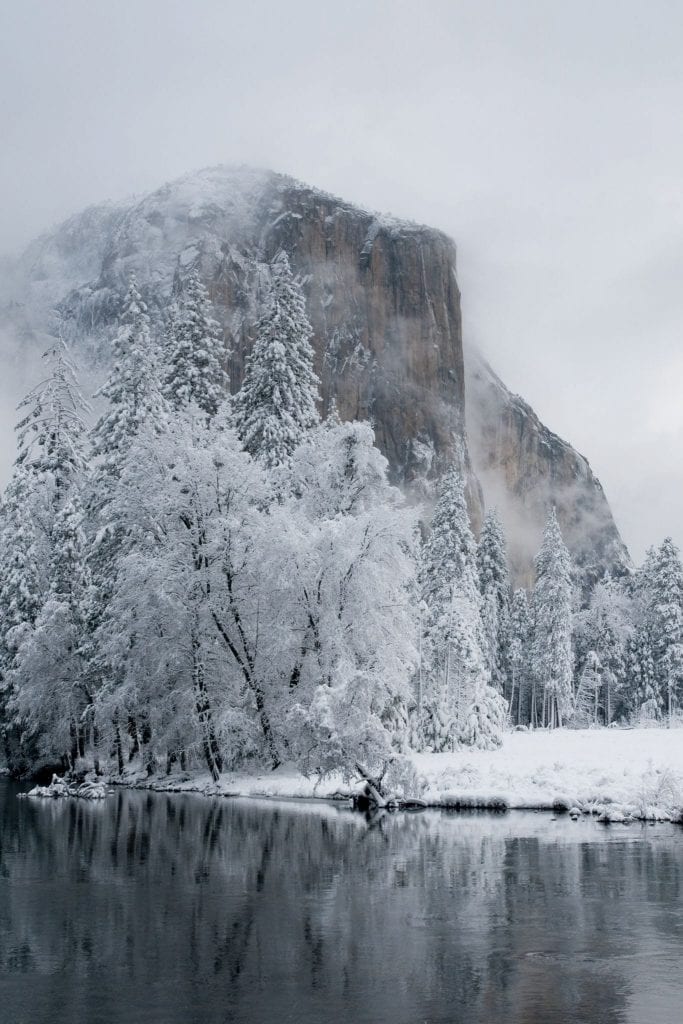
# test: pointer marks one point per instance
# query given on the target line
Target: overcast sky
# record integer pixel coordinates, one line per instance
(545, 137)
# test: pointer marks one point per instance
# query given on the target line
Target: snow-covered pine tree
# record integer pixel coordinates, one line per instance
(664, 612)
(194, 351)
(460, 705)
(552, 658)
(132, 389)
(640, 660)
(135, 405)
(22, 586)
(51, 696)
(603, 629)
(494, 586)
(51, 433)
(278, 401)
(23, 553)
(48, 473)
(519, 654)
(587, 700)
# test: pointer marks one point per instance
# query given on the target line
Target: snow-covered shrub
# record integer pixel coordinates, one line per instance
(401, 779)
(486, 720)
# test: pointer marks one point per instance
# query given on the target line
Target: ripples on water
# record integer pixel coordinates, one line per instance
(169, 909)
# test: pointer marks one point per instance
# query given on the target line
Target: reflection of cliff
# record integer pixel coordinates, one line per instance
(182, 908)
(385, 306)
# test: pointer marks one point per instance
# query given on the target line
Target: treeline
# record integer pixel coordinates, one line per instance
(216, 581)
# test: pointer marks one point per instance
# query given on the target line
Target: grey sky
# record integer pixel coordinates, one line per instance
(544, 137)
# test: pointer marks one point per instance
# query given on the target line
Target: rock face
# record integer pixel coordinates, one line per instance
(383, 299)
(524, 468)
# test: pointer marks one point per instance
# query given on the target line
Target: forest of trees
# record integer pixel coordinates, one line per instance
(200, 580)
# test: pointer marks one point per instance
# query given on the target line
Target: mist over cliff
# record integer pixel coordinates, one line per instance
(384, 302)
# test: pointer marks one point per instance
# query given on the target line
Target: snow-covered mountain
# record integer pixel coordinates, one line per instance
(384, 302)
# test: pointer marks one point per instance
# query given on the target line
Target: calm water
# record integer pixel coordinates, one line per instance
(173, 910)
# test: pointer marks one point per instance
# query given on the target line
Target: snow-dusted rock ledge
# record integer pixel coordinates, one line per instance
(617, 775)
(90, 789)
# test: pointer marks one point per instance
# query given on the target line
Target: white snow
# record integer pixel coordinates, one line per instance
(634, 772)
(91, 788)
(616, 774)
(286, 782)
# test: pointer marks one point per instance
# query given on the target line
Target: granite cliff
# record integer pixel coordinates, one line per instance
(384, 302)
(524, 467)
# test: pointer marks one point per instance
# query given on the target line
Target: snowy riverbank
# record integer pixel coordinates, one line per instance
(614, 773)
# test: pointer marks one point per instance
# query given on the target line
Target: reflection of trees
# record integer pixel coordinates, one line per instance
(173, 908)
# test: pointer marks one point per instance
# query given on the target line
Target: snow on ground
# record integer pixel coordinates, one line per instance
(618, 774)
(634, 773)
(285, 782)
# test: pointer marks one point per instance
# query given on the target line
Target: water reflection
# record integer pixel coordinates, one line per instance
(177, 909)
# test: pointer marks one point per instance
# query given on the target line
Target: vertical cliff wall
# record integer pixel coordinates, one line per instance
(524, 468)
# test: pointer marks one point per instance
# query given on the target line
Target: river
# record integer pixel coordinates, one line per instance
(169, 909)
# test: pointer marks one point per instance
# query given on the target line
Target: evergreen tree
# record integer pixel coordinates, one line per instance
(132, 388)
(22, 585)
(665, 616)
(23, 552)
(552, 644)
(607, 631)
(48, 473)
(519, 655)
(277, 403)
(51, 432)
(51, 696)
(135, 407)
(587, 701)
(460, 705)
(194, 352)
(494, 586)
(647, 699)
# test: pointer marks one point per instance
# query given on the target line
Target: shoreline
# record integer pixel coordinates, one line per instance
(615, 775)
(604, 813)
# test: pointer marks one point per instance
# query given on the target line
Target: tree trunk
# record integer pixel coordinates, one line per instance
(512, 699)
(73, 736)
(519, 704)
(117, 743)
(266, 728)
(247, 668)
(374, 787)
(210, 747)
(132, 729)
